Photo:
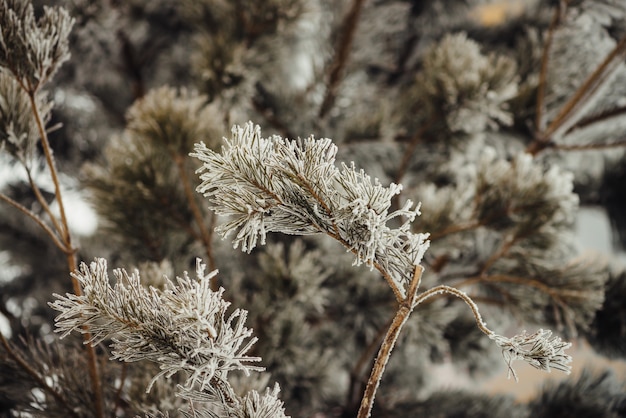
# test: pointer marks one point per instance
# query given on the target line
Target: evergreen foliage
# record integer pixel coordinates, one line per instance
(385, 159)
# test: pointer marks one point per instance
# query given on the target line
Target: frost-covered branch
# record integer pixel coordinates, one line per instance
(294, 187)
(539, 349)
(184, 328)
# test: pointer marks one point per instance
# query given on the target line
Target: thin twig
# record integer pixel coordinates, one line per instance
(556, 294)
(65, 233)
(42, 202)
(599, 118)
(38, 220)
(453, 229)
(341, 57)
(408, 153)
(586, 147)
(589, 87)
(444, 289)
(94, 373)
(384, 353)
(539, 121)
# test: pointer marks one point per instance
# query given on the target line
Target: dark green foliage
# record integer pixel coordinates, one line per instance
(457, 404)
(607, 332)
(444, 97)
(600, 395)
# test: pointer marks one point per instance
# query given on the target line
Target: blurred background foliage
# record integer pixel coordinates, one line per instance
(487, 111)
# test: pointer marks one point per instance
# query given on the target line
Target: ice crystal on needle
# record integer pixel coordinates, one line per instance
(294, 187)
(184, 327)
(539, 349)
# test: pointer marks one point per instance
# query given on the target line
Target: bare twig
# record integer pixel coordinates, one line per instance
(366, 357)
(600, 118)
(94, 373)
(444, 289)
(586, 147)
(341, 57)
(453, 229)
(38, 220)
(43, 203)
(65, 233)
(592, 84)
(384, 353)
(556, 19)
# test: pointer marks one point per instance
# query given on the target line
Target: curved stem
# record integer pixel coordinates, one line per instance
(384, 353)
(38, 220)
(444, 289)
(400, 318)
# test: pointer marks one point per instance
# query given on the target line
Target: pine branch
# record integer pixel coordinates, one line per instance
(40, 380)
(294, 187)
(384, 353)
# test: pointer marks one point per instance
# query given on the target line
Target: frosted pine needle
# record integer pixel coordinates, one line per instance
(539, 349)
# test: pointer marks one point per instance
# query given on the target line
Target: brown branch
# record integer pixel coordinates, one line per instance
(94, 373)
(588, 88)
(408, 153)
(556, 18)
(38, 220)
(384, 353)
(453, 229)
(524, 281)
(555, 294)
(43, 203)
(52, 167)
(585, 147)
(341, 57)
(602, 117)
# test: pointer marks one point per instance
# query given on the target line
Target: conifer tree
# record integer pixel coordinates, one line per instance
(299, 207)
